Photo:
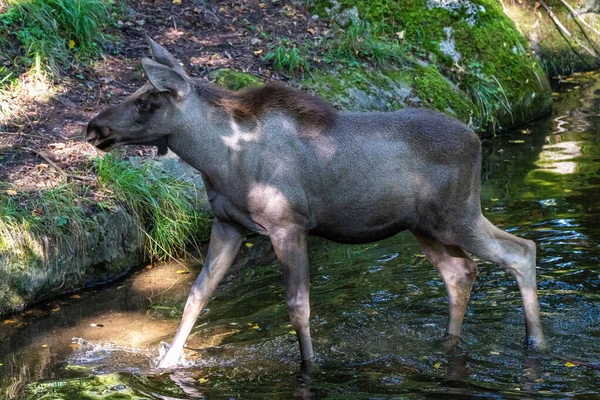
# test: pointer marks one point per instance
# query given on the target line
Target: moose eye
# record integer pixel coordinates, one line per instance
(143, 105)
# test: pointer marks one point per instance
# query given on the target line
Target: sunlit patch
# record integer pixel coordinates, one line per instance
(555, 157)
(269, 201)
(238, 137)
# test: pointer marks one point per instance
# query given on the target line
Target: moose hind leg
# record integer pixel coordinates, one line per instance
(458, 272)
(515, 255)
(291, 248)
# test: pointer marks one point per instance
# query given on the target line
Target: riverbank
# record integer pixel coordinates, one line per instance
(71, 217)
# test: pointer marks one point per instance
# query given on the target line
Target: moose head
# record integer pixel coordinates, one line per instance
(151, 114)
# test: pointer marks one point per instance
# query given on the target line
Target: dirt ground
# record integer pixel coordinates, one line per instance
(203, 35)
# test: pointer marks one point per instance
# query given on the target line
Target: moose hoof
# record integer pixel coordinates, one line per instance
(167, 362)
(535, 344)
(451, 343)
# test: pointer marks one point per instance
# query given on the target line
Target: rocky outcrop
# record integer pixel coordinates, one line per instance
(465, 58)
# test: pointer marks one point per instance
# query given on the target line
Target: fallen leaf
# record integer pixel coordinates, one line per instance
(182, 271)
(71, 44)
(257, 52)
(202, 380)
(496, 353)
(10, 321)
(150, 266)
(570, 364)
(233, 323)
(55, 309)
(292, 332)
(74, 346)
(76, 296)
(11, 192)
(516, 141)
(437, 365)
(400, 35)
(312, 31)
(249, 245)
(256, 327)
(44, 345)
(177, 2)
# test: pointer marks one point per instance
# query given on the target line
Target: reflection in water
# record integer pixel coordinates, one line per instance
(556, 157)
(379, 310)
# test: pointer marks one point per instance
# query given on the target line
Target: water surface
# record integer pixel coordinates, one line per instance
(378, 310)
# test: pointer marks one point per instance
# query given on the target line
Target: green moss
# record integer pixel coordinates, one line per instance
(454, 38)
(436, 92)
(233, 80)
(358, 89)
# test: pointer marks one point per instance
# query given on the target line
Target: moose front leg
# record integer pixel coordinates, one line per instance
(291, 248)
(225, 241)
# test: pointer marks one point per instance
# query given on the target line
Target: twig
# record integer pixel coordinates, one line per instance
(565, 30)
(59, 169)
(22, 134)
(574, 14)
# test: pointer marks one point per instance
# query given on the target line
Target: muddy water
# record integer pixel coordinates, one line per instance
(379, 310)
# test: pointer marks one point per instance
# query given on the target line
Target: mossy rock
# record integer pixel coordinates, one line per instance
(559, 53)
(233, 80)
(466, 38)
(355, 89)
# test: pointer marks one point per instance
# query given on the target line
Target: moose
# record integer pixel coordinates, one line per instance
(283, 163)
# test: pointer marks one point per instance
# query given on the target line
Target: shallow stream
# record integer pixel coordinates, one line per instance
(378, 310)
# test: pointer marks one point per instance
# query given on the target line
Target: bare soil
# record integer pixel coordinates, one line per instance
(203, 35)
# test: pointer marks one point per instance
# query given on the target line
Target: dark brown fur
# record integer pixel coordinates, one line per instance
(255, 101)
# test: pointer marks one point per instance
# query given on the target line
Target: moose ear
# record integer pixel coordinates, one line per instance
(162, 56)
(165, 79)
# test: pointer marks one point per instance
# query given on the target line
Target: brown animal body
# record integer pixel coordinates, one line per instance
(283, 163)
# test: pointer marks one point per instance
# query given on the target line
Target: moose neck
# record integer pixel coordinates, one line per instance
(202, 142)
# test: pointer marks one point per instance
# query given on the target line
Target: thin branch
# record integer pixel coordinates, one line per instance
(574, 14)
(22, 134)
(566, 31)
(59, 169)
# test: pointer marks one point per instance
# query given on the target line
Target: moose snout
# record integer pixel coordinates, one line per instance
(95, 132)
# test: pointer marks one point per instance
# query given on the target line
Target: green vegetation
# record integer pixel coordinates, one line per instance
(48, 236)
(25, 218)
(371, 41)
(159, 201)
(52, 32)
(486, 92)
(161, 204)
(287, 58)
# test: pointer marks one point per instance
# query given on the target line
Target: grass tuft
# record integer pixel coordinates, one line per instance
(486, 92)
(287, 59)
(160, 202)
(375, 42)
